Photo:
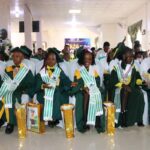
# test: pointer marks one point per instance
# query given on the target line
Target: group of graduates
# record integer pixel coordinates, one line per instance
(120, 75)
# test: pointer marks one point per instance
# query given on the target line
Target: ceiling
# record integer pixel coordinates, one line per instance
(93, 12)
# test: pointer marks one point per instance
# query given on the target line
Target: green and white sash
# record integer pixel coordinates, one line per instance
(122, 76)
(95, 102)
(9, 85)
(49, 93)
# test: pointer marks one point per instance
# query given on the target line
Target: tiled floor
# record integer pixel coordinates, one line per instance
(133, 138)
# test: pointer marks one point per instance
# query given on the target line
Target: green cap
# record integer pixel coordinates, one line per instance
(17, 49)
(27, 50)
(56, 52)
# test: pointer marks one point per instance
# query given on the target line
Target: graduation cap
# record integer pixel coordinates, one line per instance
(120, 49)
(28, 51)
(17, 49)
(56, 52)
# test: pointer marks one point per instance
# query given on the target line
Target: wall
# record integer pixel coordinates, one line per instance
(53, 36)
(143, 13)
(114, 33)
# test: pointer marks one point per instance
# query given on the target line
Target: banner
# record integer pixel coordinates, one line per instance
(75, 43)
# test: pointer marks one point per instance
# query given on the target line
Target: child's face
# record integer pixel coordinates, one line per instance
(51, 60)
(139, 56)
(17, 58)
(106, 48)
(128, 58)
(87, 60)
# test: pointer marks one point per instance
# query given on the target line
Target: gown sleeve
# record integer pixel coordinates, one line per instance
(80, 83)
(30, 84)
(38, 83)
(65, 82)
(114, 82)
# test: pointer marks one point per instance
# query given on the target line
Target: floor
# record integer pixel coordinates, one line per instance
(133, 138)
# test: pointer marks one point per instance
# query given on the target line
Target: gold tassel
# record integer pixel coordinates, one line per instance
(67, 110)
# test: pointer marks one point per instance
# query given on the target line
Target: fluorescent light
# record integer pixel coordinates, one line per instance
(17, 12)
(74, 11)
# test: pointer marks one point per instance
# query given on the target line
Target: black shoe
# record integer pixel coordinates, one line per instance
(100, 130)
(123, 123)
(52, 124)
(1, 123)
(82, 130)
(117, 125)
(86, 127)
(9, 129)
(140, 124)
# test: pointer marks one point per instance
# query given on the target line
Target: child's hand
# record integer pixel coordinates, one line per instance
(74, 84)
(86, 89)
(126, 87)
(46, 86)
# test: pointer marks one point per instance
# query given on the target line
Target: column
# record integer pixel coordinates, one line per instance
(28, 26)
(39, 36)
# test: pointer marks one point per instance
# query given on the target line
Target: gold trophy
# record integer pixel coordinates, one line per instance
(21, 120)
(110, 117)
(67, 110)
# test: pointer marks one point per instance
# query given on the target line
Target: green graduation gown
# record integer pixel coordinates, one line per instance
(61, 95)
(135, 102)
(25, 87)
(79, 95)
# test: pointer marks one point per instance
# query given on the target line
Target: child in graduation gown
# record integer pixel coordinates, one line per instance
(127, 95)
(17, 80)
(51, 88)
(86, 88)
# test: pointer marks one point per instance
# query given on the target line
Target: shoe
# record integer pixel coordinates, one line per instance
(140, 124)
(117, 125)
(1, 123)
(52, 124)
(82, 130)
(9, 129)
(100, 130)
(123, 123)
(86, 127)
